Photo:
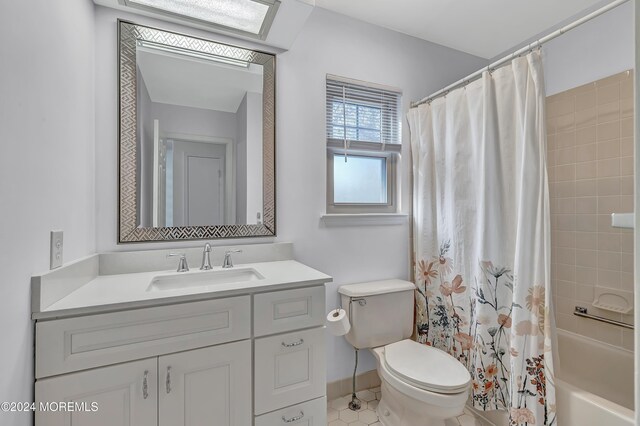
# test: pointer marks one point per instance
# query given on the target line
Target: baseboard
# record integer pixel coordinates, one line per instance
(342, 387)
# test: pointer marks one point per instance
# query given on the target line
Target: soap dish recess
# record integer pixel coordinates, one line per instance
(613, 300)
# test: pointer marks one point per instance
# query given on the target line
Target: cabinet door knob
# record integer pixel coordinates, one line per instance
(168, 381)
(293, 419)
(291, 345)
(145, 384)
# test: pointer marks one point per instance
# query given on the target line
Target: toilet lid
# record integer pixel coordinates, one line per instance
(426, 367)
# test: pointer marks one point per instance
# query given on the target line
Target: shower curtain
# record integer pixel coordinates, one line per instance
(481, 237)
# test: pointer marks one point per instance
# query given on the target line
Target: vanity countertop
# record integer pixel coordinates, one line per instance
(113, 292)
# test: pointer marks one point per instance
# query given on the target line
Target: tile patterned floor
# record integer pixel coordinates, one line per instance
(339, 414)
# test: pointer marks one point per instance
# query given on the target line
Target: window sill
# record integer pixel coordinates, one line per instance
(364, 219)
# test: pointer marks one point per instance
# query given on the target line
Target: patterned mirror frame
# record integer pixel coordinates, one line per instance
(128, 230)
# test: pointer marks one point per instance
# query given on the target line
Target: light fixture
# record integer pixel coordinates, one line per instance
(250, 18)
(192, 53)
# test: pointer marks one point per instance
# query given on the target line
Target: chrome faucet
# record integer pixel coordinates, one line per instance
(228, 262)
(182, 263)
(206, 259)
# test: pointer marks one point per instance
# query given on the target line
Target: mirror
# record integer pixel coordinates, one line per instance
(196, 138)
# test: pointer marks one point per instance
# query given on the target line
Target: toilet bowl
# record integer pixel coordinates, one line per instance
(421, 385)
(419, 395)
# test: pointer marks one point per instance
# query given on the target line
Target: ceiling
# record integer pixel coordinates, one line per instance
(484, 28)
(289, 21)
(181, 80)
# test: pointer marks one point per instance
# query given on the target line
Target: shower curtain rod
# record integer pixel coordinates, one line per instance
(520, 52)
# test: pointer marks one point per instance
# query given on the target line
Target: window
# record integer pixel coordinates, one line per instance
(361, 180)
(363, 146)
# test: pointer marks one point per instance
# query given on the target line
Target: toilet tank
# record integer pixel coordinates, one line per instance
(386, 316)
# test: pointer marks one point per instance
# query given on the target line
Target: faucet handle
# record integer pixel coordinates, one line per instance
(228, 262)
(182, 264)
(206, 259)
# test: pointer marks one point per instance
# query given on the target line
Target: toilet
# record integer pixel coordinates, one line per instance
(421, 385)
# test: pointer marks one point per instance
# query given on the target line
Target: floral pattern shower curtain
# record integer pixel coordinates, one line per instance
(481, 237)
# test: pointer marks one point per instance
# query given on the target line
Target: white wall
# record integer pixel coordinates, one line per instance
(597, 49)
(193, 121)
(636, 232)
(47, 163)
(329, 43)
(334, 44)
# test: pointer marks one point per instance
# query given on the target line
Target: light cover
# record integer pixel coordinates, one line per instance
(242, 15)
(192, 53)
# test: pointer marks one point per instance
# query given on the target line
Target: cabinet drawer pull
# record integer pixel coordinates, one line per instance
(168, 381)
(145, 384)
(293, 419)
(291, 345)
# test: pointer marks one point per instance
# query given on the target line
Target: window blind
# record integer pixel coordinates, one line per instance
(362, 116)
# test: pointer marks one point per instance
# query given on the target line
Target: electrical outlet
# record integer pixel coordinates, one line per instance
(57, 245)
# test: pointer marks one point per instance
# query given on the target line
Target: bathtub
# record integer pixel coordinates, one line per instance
(595, 382)
(594, 386)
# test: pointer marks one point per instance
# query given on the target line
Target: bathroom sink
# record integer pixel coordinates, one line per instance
(202, 279)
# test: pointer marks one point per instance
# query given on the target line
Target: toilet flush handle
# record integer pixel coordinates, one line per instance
(361, 300)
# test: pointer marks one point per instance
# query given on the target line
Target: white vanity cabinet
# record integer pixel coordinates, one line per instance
(253, 359)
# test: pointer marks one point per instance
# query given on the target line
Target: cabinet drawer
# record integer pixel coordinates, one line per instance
(287, 310)
(94, 340)
(312, 413)
(289, 369)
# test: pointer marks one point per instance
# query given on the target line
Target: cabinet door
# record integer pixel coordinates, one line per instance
(206, 387)
(289, 369)
(124, 395)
